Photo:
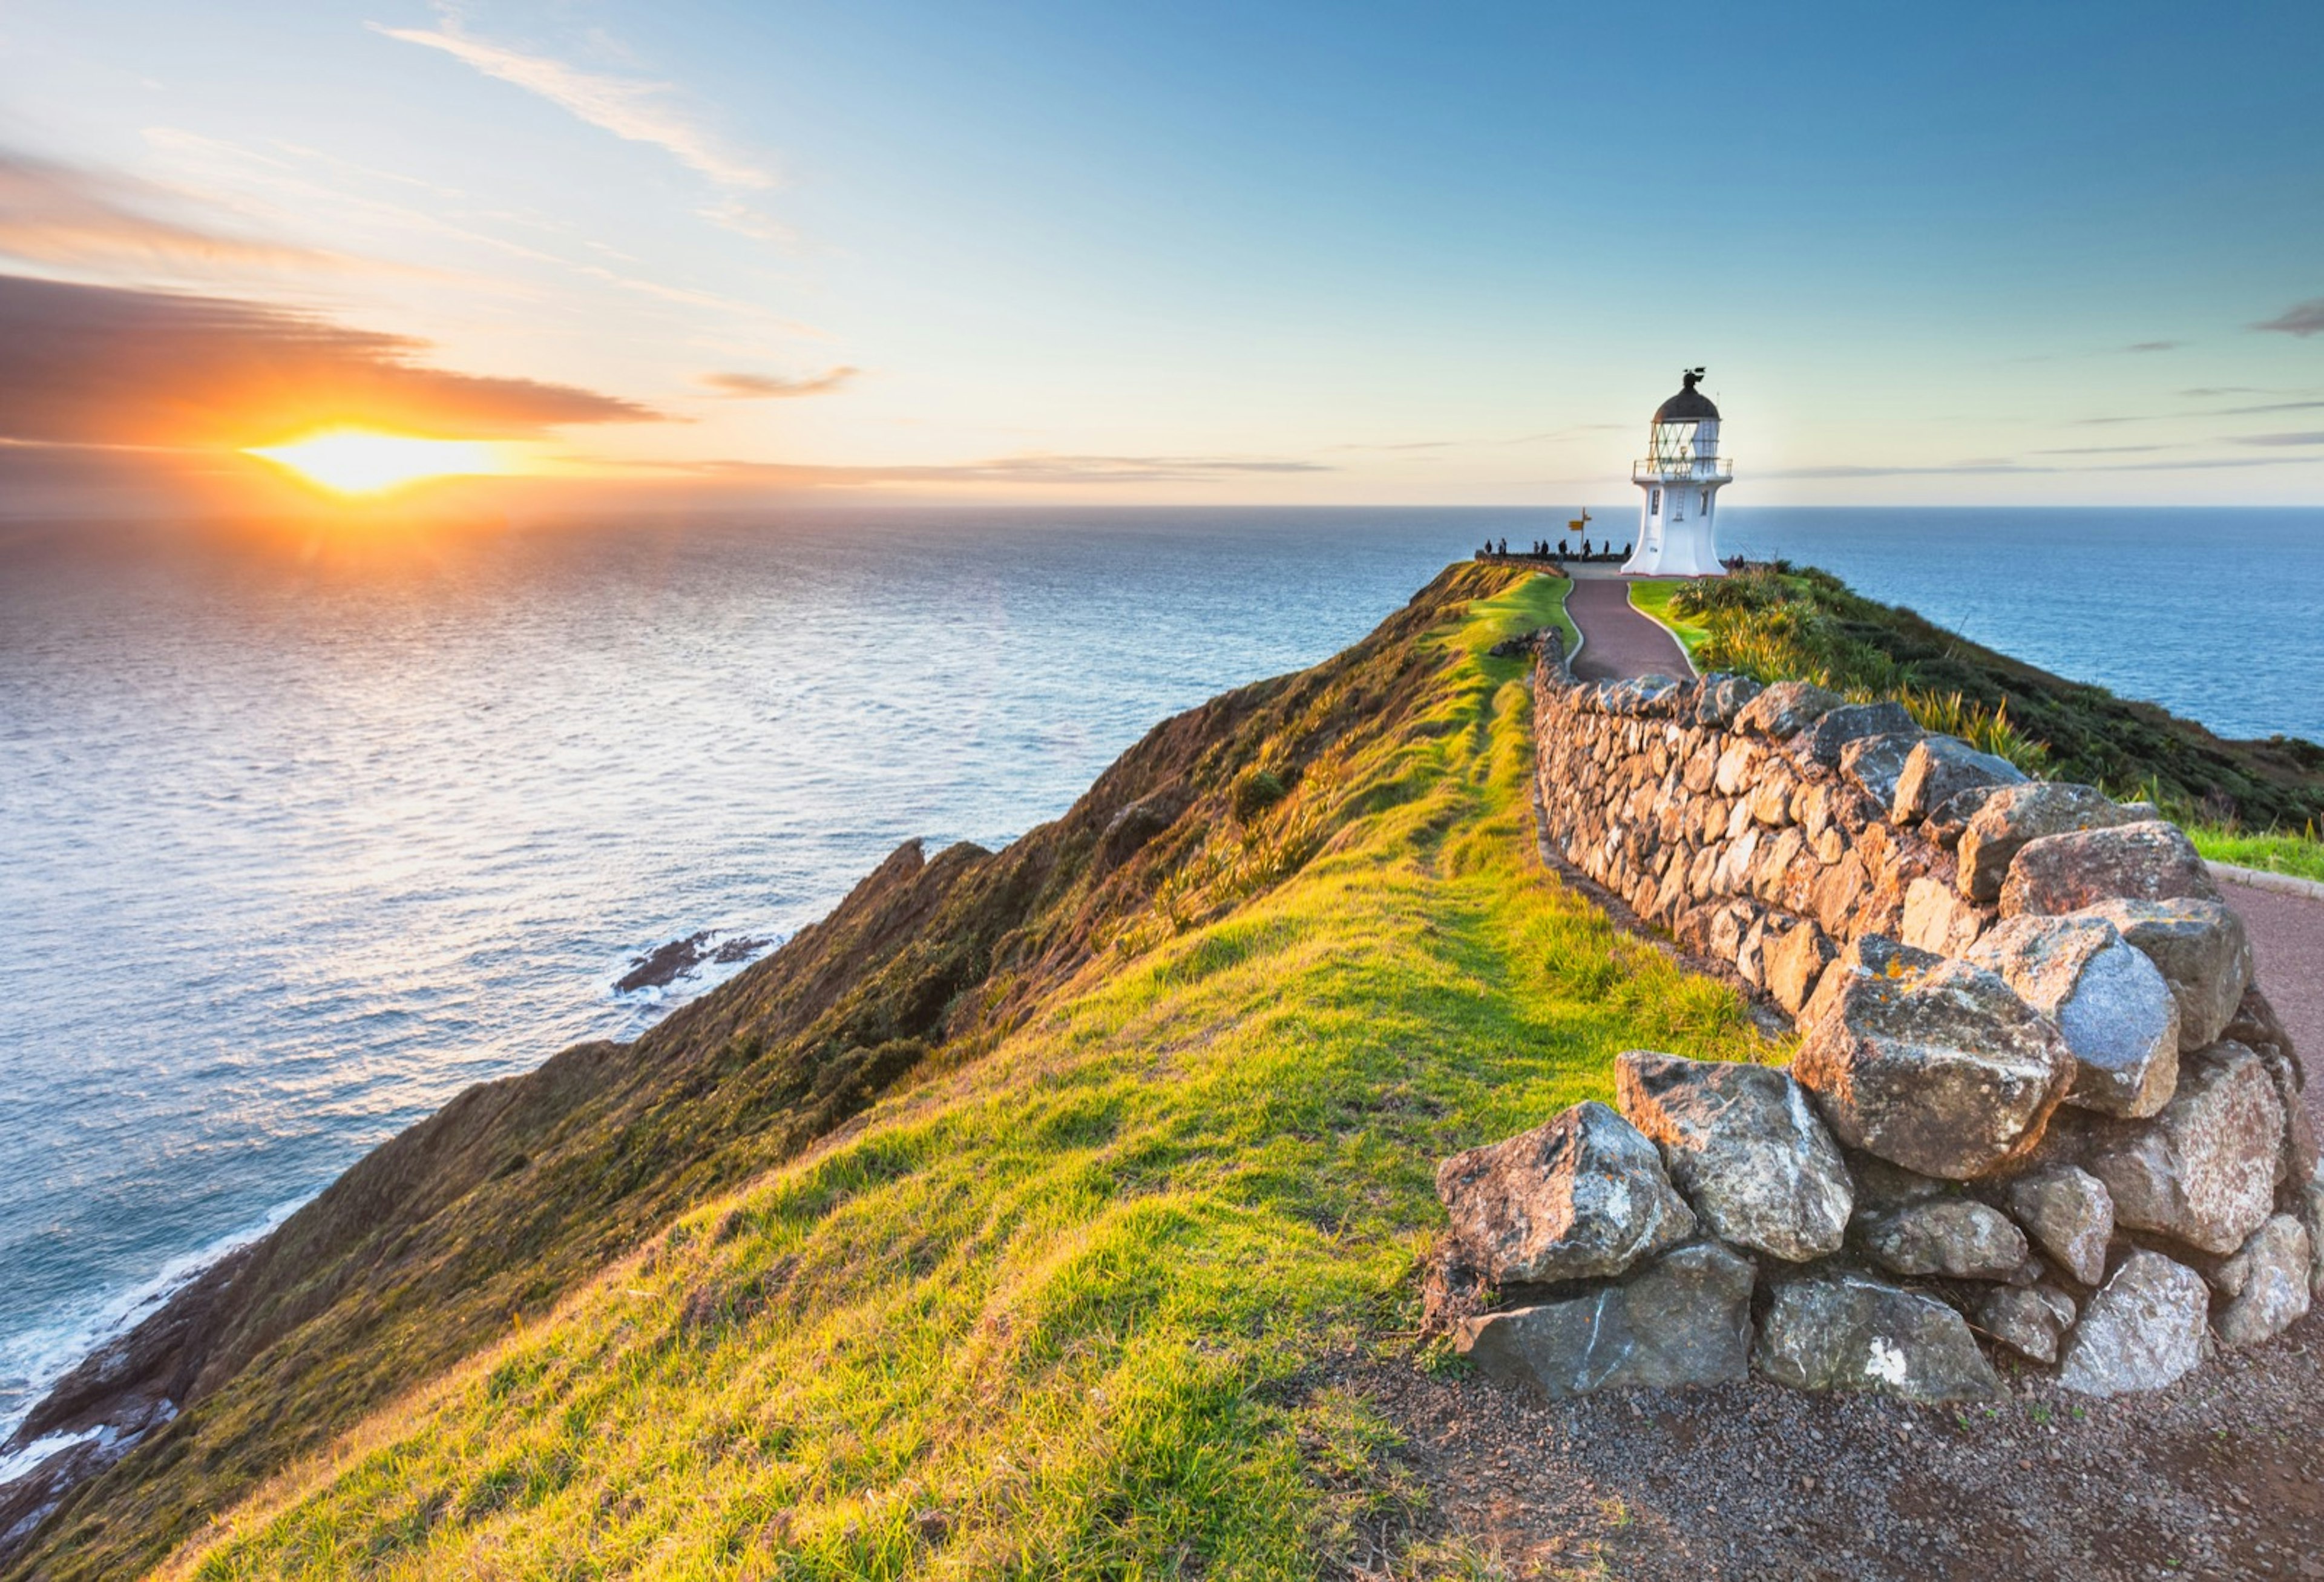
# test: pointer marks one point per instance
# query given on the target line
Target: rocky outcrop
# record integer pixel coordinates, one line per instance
(2204, 1171)
(1581, 1196)
(1940, 768)
(2008, 821)
(1958, 1238)
(2145, 861)
(2200, 948)
(2070, 1215)
(2268, 1283)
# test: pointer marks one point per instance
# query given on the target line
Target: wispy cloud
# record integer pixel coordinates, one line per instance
(2315, 437)
(2272, 407)
(2102, 449)
(2301, 319)
(763, 386)
(96, 365)
(1039, 468)
(58, 215)
(635, 109)
(2154, 346)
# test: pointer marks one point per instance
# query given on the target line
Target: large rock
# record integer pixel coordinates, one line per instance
(1838, 1329)
(2269, 1283)
(2205, 1169)
(1957, 1237)
(2146, 862)
(1868, 955)
(1877, 763)
(1743, 1144)
(1940, 768)
(2015, 816)
(2200, 948)
(1578, 1197)
(1852, 723)
(1943, 1070)
(2029, 1320)
(2144, 1329)
(1685, 1319)
(2070, 1214)
(1785, 708)
(2112, 1004)
(1722, 697)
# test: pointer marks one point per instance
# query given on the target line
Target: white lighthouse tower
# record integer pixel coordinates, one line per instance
(1680, 479)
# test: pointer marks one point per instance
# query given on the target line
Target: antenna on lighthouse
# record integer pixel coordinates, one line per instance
(1680, 479)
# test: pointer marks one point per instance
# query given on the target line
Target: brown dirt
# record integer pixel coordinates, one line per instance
(2221, 1476)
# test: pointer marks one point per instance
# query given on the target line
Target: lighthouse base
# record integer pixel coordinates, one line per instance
(1674, 552)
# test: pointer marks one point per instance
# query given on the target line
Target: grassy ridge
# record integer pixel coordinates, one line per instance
(1781, 623)
(1056, 1311)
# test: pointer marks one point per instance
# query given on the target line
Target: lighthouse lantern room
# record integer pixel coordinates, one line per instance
(1680, 479)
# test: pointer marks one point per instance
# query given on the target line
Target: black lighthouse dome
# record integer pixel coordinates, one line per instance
(1690, 405)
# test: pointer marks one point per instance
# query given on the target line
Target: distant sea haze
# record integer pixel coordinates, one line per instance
(298, 847)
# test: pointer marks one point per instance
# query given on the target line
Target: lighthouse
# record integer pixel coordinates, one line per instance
(1680, 479)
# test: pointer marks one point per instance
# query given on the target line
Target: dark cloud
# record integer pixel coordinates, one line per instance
(2271, 407)
(760, 386)
(2301, 319)
(93, 365)
(2311, 437)
(55, 214)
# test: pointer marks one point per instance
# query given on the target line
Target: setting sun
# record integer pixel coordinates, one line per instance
(355, 460)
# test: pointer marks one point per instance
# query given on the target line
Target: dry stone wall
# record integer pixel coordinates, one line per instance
(2039, 1109)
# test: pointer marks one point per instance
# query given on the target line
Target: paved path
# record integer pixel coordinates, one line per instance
(1617, 642)
(2287, 933)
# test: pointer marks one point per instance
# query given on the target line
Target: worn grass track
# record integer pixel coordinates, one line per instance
(1055, 1309)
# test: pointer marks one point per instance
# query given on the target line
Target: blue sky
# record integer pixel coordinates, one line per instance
(1281, 253)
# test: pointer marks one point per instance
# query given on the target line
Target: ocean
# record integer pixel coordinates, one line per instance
(302, 839)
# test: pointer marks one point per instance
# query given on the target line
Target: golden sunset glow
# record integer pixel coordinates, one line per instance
(358, 461)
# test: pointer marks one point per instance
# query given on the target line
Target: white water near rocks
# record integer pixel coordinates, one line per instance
(298, 845)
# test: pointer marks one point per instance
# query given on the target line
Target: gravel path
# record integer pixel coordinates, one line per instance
(2221, 1476)
(1617, 642)
(2287, 933)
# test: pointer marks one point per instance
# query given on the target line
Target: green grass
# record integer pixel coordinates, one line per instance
(2300, 855)
(1654, 599)
(1058, 1311)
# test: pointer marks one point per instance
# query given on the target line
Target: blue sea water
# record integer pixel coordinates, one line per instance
(302, 838)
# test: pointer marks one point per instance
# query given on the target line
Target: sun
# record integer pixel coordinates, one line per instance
(362, 461)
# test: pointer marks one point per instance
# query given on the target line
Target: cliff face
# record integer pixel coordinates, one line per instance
(492, 1209)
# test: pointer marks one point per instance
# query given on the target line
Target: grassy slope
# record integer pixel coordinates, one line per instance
(1653, 598)
(2300, 855)
(1055, 1312)
(1551, 594)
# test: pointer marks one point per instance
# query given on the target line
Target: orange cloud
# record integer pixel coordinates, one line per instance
(95, 365)
(53, 214)
(755, 386)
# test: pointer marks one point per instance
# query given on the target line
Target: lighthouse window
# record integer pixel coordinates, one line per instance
(1655, 502)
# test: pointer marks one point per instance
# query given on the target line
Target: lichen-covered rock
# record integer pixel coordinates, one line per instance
(2117, 1014)
(1943, 1070)
(2204, 1170)
(1880, 1185)
(1876, 763)
(1722, 697)
(1937, 919)
(2014, 817)
(1868, 955)
(1745, 1147)
(2144, 1329)
(1957, 1237)
(1792, 964)
(2029, 1320)
(2070, 1213)
(1853, 722)
(1785, 708)
(1838, 1329)
(1685, 1319)
(1940, 768)
(2148, 861)
(1580, 1198)
(2269, 1283)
